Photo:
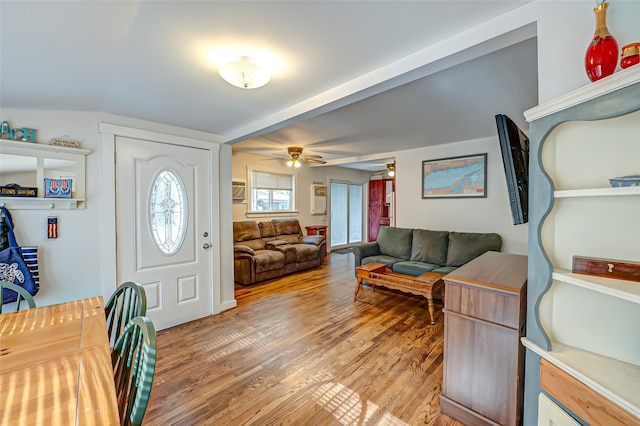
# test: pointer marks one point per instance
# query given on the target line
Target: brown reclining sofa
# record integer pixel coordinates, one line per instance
(267, 250)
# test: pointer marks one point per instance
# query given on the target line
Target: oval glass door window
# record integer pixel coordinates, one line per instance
(168, 212)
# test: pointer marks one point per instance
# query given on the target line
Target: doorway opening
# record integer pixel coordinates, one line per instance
(346, 203)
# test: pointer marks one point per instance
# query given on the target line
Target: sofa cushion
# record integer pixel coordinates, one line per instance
(290, 253)
(288, 230)
(395, 242)
(268, 260)
(381, 258)
(267, 231)
(306, 252)
(444, 270)
(413, 268)
(466, 246)
(430, 246)
(248, 233)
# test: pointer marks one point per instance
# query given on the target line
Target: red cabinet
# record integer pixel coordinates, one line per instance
(379, 206)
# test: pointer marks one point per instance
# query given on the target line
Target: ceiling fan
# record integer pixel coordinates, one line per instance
(295, 156)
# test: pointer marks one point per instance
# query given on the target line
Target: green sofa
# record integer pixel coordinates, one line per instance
(416, 251)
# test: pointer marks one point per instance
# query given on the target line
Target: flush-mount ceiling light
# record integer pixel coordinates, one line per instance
(391, 169)
(244, 74)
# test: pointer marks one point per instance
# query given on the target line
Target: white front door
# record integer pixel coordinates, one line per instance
(164, 227)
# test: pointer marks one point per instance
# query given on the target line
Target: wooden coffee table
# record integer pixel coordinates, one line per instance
(425, 285)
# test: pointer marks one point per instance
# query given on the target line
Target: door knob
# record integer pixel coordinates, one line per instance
(206, 246)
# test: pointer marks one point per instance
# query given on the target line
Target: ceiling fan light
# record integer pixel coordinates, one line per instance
(244, 74)
(290, 162)
(296, 163)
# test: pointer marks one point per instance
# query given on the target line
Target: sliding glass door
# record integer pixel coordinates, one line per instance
(346, 214)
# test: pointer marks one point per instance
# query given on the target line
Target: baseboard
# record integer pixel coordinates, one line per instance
(229, 304)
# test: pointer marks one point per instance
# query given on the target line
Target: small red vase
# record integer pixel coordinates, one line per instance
(602, 54)
(630, 55)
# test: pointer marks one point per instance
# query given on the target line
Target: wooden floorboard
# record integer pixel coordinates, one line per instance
(299, 351)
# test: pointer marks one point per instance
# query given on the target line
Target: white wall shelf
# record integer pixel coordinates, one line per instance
(28, 203)
(585, 325)
(28, 164)
(622, 289)
(599, 192)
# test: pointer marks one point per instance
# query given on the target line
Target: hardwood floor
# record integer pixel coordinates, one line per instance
(299, 351)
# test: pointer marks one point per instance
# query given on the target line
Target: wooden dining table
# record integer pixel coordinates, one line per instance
(55, 366)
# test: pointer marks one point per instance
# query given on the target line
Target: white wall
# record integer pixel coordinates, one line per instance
(565, 29)
(490, 214)
(305, 176)
(71, 265)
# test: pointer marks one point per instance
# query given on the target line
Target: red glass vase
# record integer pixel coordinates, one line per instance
(602, 54)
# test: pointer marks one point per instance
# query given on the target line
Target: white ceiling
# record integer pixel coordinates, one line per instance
(354, 81)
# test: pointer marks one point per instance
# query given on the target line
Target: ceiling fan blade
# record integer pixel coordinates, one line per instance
(313, 156)
(313, 160)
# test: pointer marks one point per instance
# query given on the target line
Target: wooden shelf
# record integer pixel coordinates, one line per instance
(598, 192)
(622, 289)
(617, 381)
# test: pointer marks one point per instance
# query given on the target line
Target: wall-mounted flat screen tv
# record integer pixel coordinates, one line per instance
(514, 145)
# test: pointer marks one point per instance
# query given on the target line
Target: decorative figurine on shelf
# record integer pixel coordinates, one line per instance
(602, 54)
(630, 55)
(24, 134)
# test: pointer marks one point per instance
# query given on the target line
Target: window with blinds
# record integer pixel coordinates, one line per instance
(272, 192)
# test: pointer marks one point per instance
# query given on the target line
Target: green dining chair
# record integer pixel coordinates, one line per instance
(134, 361)
(22, 294)
(127, 302)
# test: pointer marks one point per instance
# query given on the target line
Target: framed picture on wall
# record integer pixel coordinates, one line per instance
(455, 177)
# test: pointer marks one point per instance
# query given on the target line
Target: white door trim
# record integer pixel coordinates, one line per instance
(221, 250)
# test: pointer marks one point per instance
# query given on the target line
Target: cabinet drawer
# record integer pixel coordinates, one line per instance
(484, 303)
(586, 403)
(549, 414)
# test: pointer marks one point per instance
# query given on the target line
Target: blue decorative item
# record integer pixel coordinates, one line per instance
(28, 135)
(57, 188)
(633, 180)
(14, 266)
(25, 134)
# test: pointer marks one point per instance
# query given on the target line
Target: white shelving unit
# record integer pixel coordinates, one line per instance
(27, 164)
(586, 325)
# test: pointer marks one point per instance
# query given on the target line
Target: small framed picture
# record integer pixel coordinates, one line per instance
(57, 188)
(455, 177)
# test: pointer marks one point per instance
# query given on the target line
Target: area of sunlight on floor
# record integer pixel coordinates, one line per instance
(234, 342)
(349, 409)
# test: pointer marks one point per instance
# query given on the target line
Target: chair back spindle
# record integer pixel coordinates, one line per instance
(133, 359)
(127, 302)
(23, 294)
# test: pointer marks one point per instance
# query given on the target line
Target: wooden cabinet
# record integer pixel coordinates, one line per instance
(484, 320)
(583, 325)
(380, 205)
